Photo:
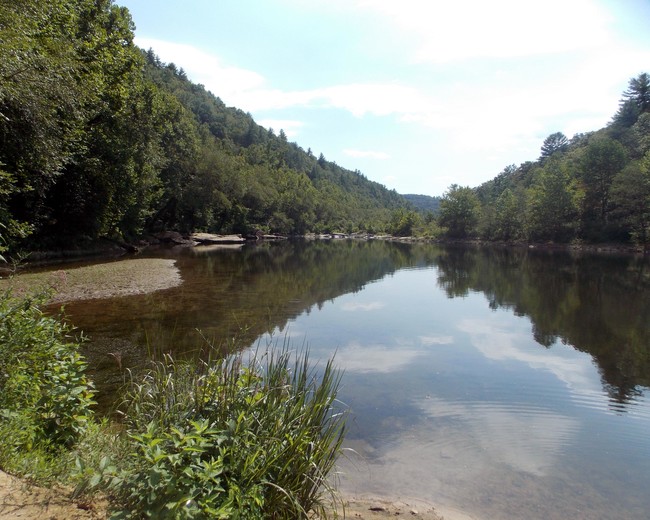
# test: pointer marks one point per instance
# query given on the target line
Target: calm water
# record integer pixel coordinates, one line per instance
(508, 384)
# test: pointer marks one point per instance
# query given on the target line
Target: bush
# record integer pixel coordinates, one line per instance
(224, 439)
(45, 397)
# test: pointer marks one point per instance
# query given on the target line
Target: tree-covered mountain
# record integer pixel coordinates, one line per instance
(100, 138)
(423, 203)
(593, 187)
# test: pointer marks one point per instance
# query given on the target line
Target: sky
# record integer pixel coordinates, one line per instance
(416, 94)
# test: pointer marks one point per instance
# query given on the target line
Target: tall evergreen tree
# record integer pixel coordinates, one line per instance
(556, 142)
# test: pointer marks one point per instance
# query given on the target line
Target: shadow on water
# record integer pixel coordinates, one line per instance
(598, 304)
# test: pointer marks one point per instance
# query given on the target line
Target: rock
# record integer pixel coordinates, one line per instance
(173, 237)
(209, 238)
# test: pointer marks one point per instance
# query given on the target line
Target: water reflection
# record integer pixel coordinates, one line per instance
(597, 304)
(499, 342)
(355, 357)
(484, 378)
(525, 438)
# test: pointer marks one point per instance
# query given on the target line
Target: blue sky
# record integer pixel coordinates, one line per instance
(416, 94)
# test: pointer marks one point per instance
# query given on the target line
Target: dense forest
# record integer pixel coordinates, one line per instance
(594, 187)
(100, 139)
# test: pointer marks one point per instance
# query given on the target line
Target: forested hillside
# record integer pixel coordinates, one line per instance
(594, 187)
(424, 203)
(98, 138)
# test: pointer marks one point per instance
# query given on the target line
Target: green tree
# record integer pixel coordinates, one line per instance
(556, 142)
(638, 92)
(459, 210)
(635, 101)
(602, 160)
(630, 197)
(403, 222)
(42, 104)
(553, 203)
(508, 213)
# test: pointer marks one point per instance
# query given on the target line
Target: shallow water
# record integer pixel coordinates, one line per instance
(508, 384)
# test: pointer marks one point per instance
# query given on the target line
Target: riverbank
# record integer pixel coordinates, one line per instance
(105, 280)
(21, 501)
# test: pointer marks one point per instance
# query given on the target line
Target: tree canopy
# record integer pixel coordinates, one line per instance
(99, 138)
(592, 187)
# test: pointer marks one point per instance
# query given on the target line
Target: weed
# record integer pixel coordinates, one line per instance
(228, 439)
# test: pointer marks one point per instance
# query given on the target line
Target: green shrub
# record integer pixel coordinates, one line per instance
(227, 439)
(45, 397)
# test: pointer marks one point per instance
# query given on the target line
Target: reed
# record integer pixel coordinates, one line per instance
(251, 435)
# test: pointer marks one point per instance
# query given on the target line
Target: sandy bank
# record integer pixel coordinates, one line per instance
(18, 500)
(122, 278)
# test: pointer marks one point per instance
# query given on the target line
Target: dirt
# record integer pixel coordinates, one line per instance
(123, 278)
(19, 500)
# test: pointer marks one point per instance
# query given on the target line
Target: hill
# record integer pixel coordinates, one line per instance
(424, 203)
(594, 187)
(99, 138)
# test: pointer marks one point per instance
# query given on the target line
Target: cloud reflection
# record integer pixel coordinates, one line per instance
(355, 357)
(500, 344)
(436, 340)
(527, 439)
(372, 306)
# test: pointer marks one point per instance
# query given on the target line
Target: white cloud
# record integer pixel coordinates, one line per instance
(502, 113)
(355, 357)
(204, 67)
(443, 32)
(436, 340)
(366, 154)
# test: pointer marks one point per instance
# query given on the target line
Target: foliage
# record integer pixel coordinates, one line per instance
(228, 439)
(45, 396)
(459, 211)
(403, 223)
(424, 203)
(553, 203)
(589, 188)
(220, 438)
(556, 142)
(101, 139)
(630, 196)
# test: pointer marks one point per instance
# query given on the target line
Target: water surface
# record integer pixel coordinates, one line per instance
(509, 384)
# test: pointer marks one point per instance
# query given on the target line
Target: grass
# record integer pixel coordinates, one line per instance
(247, 436)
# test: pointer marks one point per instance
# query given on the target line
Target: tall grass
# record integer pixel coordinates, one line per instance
(245, 436)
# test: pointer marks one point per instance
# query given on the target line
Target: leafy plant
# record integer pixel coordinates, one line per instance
(45, 397)
(228, 439)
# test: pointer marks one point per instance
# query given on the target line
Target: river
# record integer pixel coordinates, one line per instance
(509, 383)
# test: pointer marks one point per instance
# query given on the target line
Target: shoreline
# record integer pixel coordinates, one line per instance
(21, 500)
(114, 250)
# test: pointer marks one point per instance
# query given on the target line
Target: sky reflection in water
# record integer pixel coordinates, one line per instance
(457, 403)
